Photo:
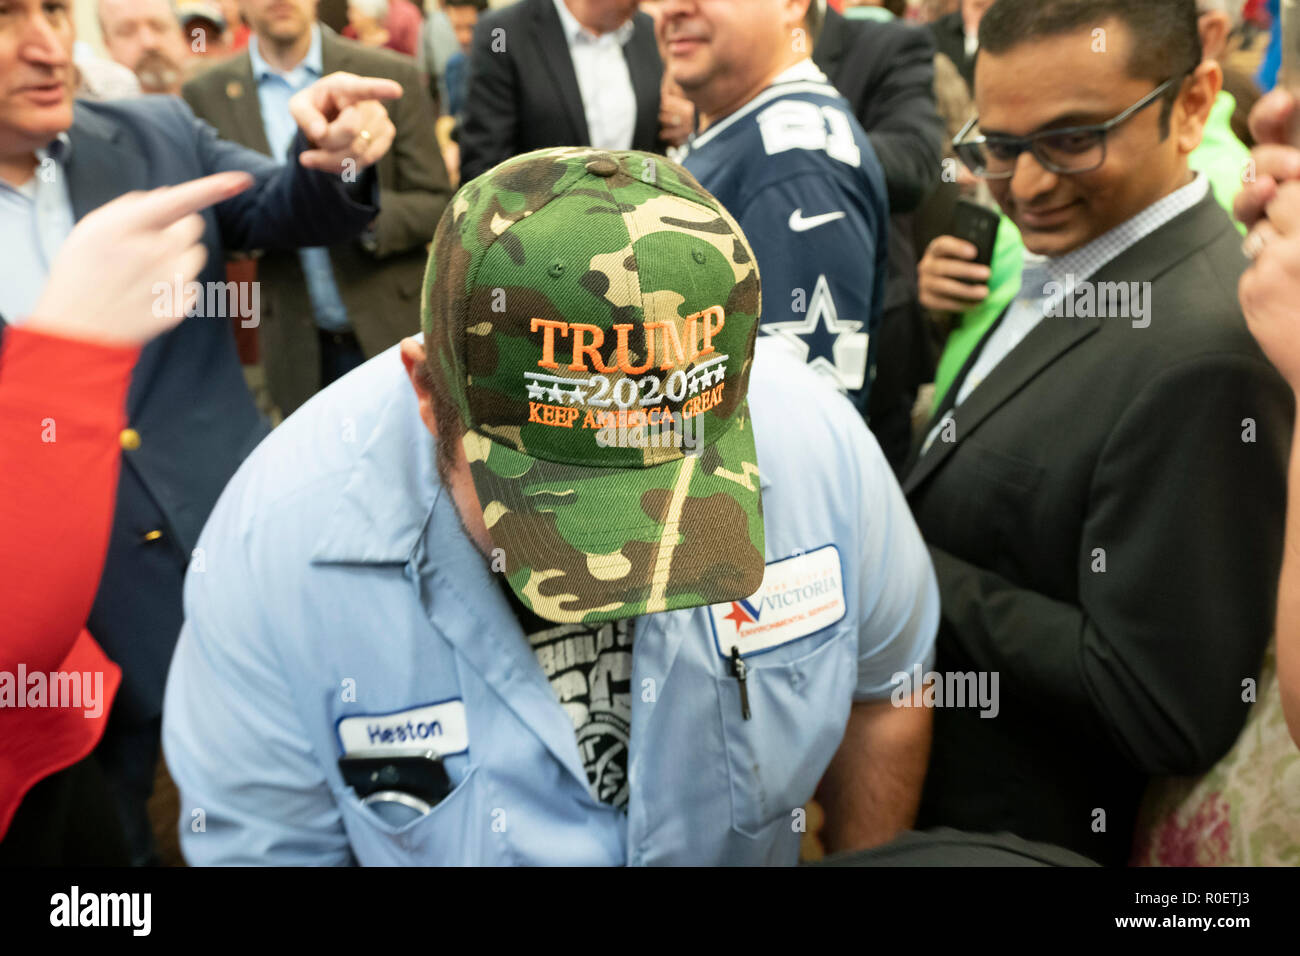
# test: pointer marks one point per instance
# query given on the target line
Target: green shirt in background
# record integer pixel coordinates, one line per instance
(1221, 157)
(868, 13)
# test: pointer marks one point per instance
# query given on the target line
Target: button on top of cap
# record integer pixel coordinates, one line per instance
(602, 166)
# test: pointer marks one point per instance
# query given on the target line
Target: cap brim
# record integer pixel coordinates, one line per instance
(584, 544)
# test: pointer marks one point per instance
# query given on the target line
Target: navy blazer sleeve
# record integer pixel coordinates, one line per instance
(900, 117)
(289, 205)
(886, 72)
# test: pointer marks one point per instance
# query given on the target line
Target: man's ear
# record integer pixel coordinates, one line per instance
(796, 12)
(1214, 28)
(1195, 103)
(414, 358)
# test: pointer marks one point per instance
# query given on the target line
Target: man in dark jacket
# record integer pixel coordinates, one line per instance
(560, 73)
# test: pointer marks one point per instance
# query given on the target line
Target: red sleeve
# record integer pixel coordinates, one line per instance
(62, 409)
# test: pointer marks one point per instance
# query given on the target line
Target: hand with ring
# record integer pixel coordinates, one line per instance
(343, 116)
(1270, 205)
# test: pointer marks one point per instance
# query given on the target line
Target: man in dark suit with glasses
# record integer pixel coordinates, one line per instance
(1102, 486)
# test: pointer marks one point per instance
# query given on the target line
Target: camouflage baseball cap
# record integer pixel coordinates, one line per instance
(592, 314)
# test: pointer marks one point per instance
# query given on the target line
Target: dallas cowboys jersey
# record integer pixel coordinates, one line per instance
(796, 170)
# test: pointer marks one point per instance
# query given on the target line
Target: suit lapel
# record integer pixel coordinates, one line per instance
(551, 38)
(245, 109)
(1048, 341)
(646, 72)
(1147, 260)
(334, 53)
(102, 164)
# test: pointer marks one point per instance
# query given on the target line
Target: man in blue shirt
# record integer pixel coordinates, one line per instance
(781, 150)
(567, 590)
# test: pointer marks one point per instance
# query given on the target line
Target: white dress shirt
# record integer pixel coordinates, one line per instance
(1033, 302)
(35, 219)
(608, 99)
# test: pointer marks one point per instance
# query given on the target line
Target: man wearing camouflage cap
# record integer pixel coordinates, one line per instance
(604, 586)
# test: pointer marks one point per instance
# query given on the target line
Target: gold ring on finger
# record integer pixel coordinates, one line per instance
(1255, 243)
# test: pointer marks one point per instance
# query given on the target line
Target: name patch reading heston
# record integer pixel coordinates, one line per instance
(640, 397)
(438, 727)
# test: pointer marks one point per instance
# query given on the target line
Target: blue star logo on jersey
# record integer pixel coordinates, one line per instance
(831, 345)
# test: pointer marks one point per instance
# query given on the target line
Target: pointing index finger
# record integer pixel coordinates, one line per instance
(353, 89)
(165, 206)
(1270, 118)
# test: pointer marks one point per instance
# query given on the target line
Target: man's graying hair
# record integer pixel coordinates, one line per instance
(1166, 41)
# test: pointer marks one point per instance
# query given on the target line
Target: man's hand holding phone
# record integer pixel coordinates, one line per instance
(948, 277)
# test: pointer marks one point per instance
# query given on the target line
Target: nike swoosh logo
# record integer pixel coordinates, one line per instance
(799, 224)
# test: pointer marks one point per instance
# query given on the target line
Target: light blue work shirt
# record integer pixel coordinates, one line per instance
(274, 90)
(335, 596)
(35, 218)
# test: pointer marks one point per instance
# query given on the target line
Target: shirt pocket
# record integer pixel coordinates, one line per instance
(458, 831)
(799, 706)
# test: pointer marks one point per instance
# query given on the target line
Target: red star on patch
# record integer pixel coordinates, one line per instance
(739, 615)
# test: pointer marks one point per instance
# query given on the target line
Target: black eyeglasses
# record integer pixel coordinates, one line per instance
(1071, 149)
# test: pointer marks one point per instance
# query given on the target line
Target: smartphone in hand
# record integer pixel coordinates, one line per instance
(973, 223)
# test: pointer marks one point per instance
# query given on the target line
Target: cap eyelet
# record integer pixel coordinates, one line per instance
(556, 270)
(698, 255)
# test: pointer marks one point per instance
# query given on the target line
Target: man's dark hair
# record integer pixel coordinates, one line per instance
(450, 429)
(479, 5)
(1166, 42)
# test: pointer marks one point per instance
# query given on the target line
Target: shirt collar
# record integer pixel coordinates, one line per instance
(1087, 260)
(311, 62)
(58, 149)
(575, 32)
(392, 487)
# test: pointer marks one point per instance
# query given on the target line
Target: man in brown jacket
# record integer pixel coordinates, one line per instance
(324, 311)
